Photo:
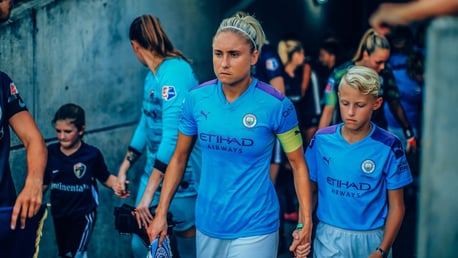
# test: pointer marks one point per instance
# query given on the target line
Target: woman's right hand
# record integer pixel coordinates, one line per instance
(142, 212)
(158, 228)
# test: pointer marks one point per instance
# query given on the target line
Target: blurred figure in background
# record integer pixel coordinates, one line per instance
(407, 65)
(301, 85)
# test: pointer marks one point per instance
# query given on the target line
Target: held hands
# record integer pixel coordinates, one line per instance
(120, 187)
(301, 245)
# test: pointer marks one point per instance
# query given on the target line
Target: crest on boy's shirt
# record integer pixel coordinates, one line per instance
(168, 92)
(13, 89)
(79, 169)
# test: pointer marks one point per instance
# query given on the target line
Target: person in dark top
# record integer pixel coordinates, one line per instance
(71, 172)
(25, 209)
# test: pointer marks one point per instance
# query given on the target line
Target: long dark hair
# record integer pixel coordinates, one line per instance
(148, 32)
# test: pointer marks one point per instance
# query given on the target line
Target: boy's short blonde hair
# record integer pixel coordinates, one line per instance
(365, 79)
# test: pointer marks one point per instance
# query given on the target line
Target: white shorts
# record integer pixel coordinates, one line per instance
(264, 246)
(335, 242)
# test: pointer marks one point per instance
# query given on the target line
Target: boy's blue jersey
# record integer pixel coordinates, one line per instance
(353, 179)
(161, 110)
(236, 196)
(72, 179)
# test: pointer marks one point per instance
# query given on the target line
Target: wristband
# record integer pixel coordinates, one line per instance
(132, 155)
(159, 165)
(384, 254)
(299, 226)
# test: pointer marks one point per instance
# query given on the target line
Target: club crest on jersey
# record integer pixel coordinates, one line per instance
(79, 169)
(168, 92)
(368, 166)
(249, 120)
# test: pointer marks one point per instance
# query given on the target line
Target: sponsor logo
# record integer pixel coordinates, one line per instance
(168, 92)
(225, 143)
(249, 120)
(21, 103)
(288, 111)
(70, 188)
(368, 166)
(219, 139)
(326, 159)
(205, 114)
(338, 183)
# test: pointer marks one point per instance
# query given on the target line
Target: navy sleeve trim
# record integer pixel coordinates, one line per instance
(159, 165)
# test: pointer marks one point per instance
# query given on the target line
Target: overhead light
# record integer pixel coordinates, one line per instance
(321, 1)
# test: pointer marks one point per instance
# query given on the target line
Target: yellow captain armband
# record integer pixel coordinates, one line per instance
(290, 140)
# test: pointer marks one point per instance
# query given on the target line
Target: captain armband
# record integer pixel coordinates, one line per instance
(132, 155)
(290, 140)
